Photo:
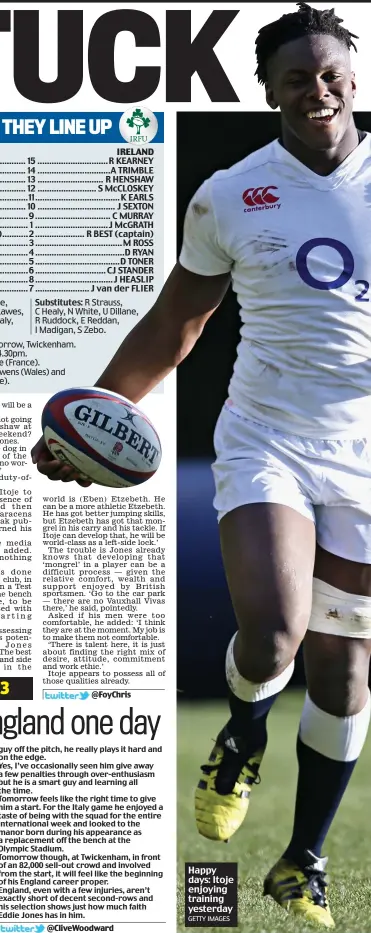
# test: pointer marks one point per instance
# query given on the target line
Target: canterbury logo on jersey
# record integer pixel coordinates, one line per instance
(261, 198)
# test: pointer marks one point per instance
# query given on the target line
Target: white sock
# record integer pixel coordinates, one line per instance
(339, 738)
(247, 691)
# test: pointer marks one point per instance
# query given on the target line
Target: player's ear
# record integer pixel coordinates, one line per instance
(269, 96)
(353, 82)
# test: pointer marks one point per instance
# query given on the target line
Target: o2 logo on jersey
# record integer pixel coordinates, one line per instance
(348, 266)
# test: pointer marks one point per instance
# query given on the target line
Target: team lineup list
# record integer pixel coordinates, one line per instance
(81, 257)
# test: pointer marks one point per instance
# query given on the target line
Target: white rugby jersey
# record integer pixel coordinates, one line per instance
(298, 246)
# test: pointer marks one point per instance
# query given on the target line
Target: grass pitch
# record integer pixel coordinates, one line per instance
(267, 828)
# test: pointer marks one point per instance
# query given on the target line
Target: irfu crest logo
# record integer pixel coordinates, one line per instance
(138, 120)
(143, 125)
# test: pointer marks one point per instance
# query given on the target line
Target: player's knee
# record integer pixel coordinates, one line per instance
(339, 699)
(337, 672)
(264, 656)
(338, 691)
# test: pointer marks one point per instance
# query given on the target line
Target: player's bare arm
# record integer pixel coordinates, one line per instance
(155, 346)
(165, 336)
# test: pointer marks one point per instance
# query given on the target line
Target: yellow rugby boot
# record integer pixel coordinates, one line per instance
(222, 795)
(302, 890)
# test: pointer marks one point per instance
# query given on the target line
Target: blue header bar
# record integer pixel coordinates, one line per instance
(70, 128)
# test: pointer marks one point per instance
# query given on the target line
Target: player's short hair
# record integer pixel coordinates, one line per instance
(305, 21)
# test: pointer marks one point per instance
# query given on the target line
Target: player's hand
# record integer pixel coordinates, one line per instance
(54, 469)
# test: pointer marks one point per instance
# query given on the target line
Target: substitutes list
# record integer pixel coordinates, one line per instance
(81, 240)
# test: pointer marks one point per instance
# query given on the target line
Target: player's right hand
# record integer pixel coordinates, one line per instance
(54, 469)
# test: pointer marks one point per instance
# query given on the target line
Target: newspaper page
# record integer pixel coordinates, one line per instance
(87, 574)
(112, 116)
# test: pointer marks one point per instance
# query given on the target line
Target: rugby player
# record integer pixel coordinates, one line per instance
(289, 225)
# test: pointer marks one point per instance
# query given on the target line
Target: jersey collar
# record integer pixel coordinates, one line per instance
(347, 168)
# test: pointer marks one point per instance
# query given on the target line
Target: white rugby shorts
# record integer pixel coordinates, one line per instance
(327, 481)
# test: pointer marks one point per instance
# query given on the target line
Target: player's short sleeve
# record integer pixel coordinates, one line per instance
(201, 250)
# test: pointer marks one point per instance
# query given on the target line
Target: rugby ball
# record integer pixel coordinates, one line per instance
(102, 435)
